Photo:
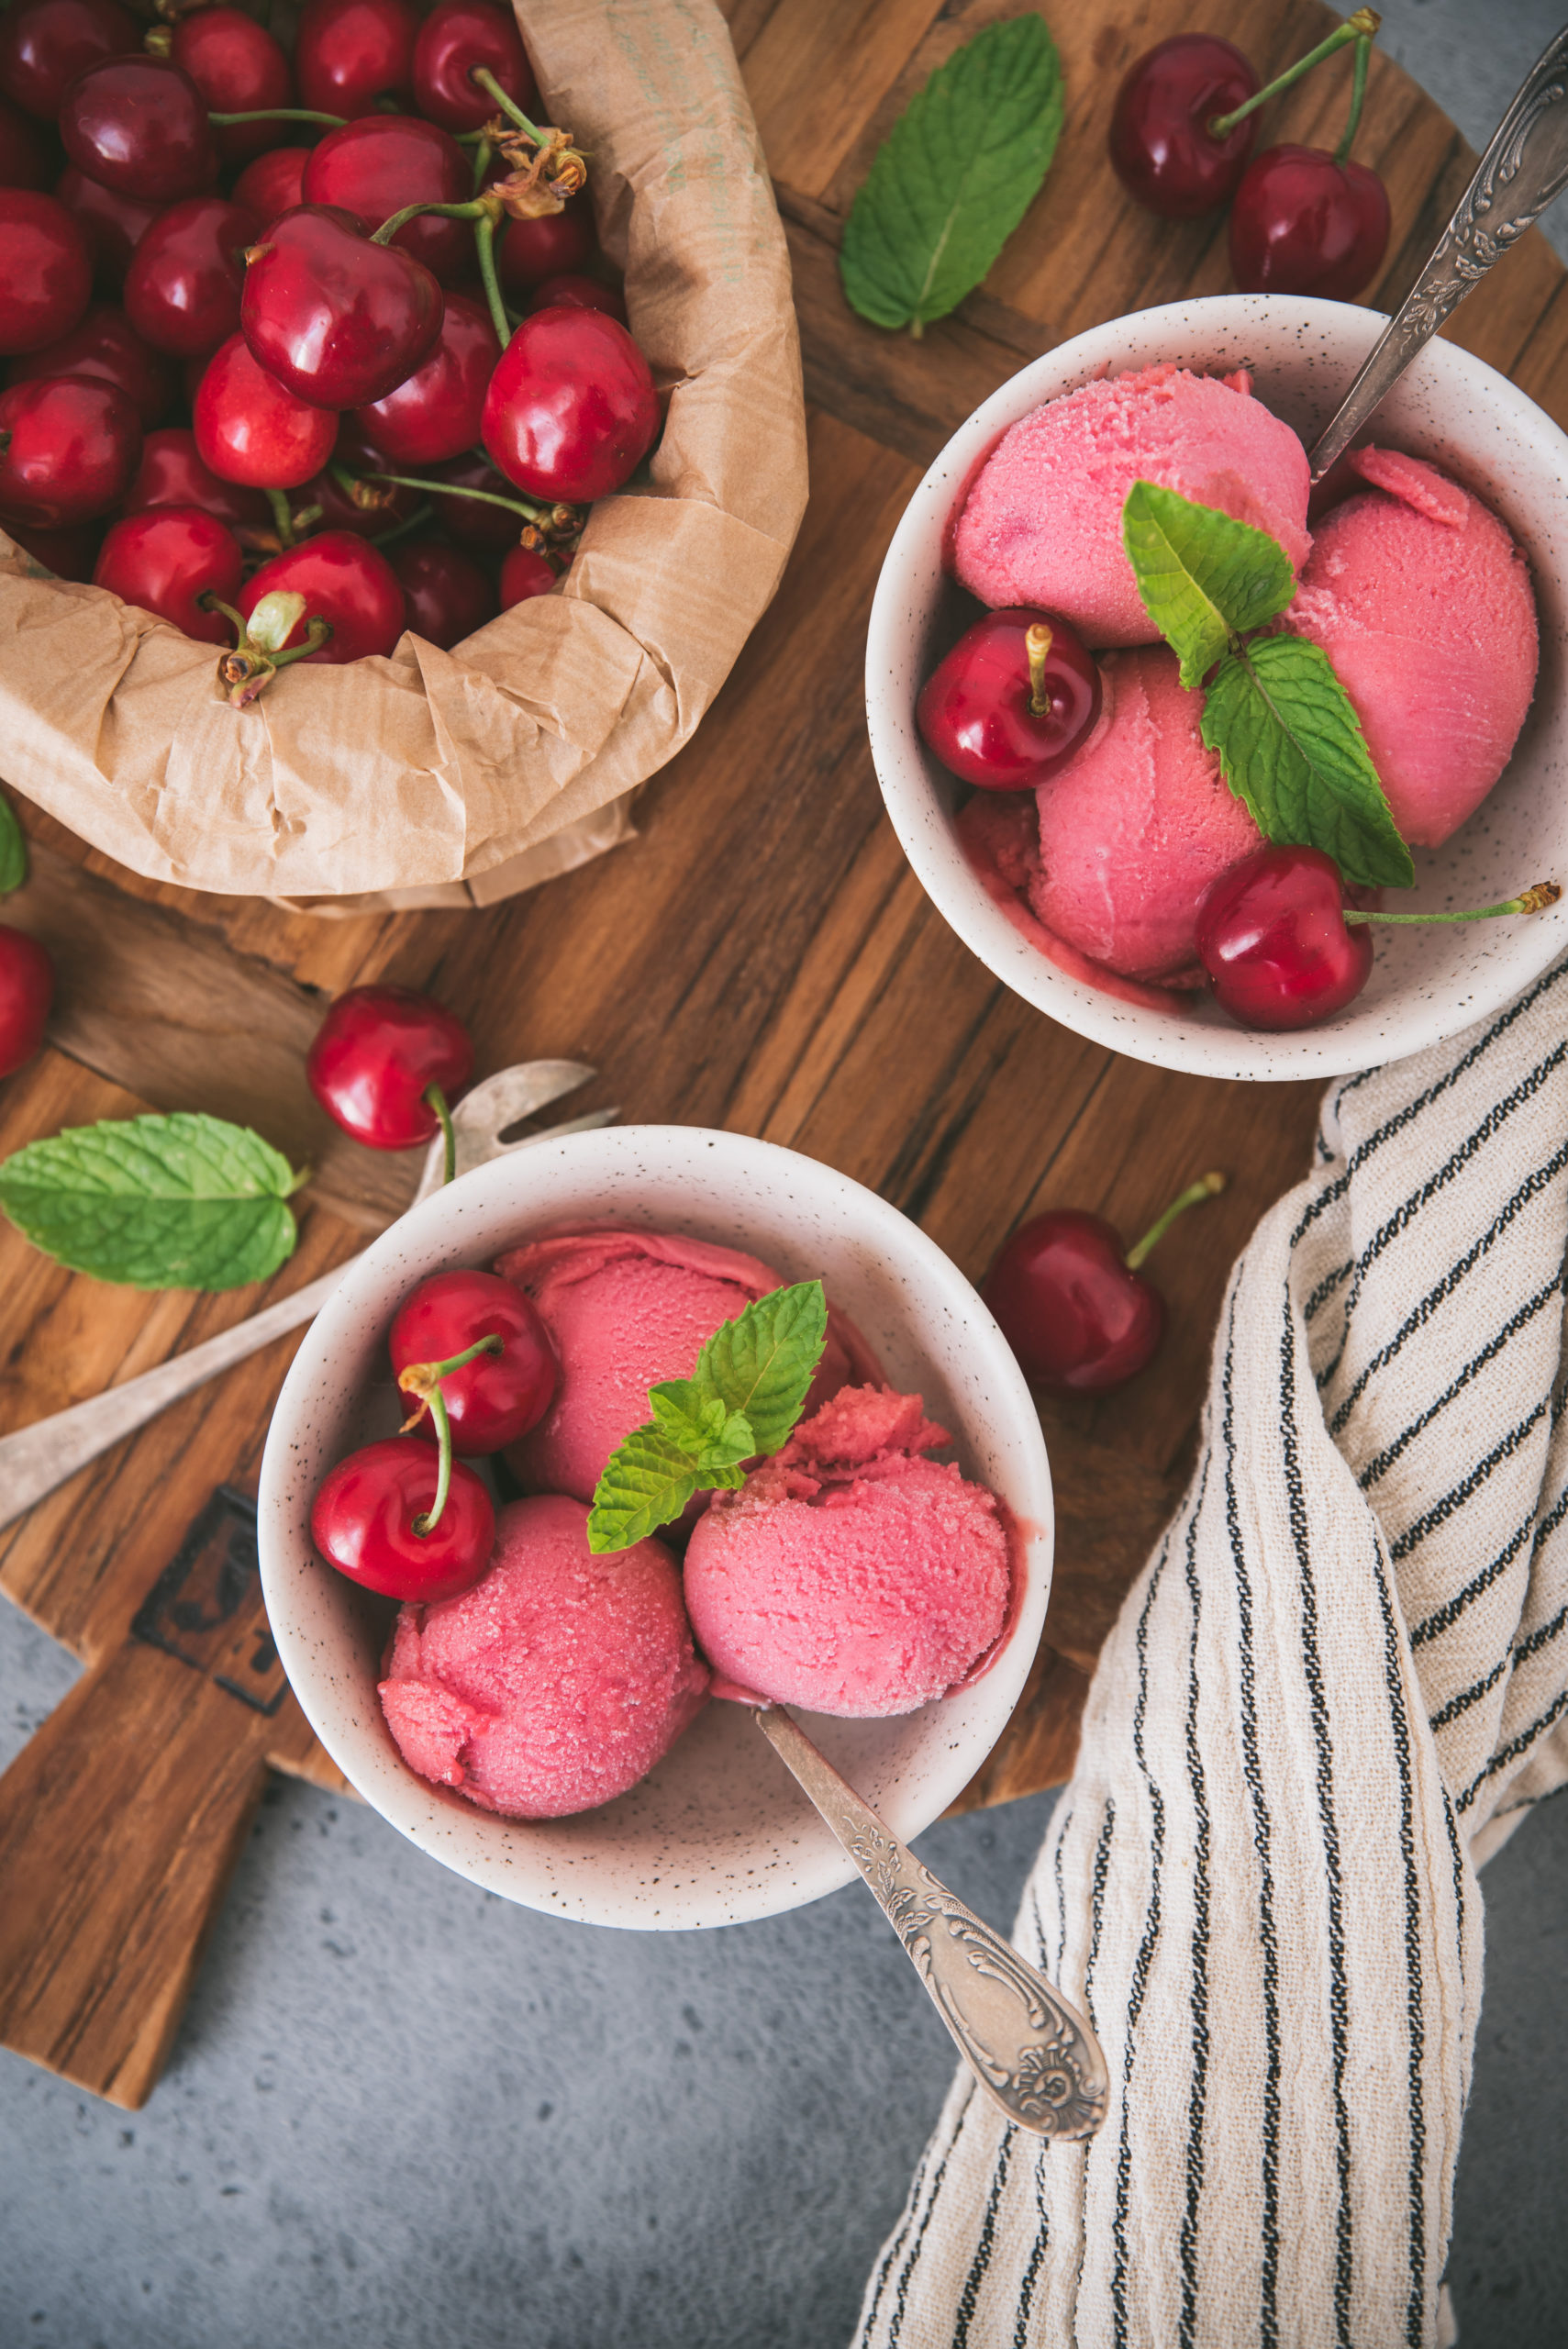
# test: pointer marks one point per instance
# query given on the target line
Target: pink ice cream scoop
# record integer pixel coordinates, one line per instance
(627, 1309)
(558, 1681)
(849, 1573)
(1423, 604)
(1042, 523)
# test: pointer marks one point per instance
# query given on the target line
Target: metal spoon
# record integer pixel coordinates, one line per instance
(1525, 166)
(1032, 2053)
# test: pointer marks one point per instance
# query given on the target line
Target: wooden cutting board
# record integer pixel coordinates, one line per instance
(760, 958)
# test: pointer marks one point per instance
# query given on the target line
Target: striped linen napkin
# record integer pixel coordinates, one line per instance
(1333, 1694)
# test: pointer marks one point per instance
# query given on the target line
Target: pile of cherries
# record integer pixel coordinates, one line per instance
(329, 330)
(1303, 219)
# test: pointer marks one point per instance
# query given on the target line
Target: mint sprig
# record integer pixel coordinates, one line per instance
(954, 176)
(1204, 577)
(745, 1395)
(180, 1201)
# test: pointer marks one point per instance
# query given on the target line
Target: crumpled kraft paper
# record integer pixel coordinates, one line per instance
(454, 778)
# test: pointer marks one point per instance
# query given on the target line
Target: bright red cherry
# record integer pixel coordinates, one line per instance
(581, 294)
(528, 251)
(1305, 223)
(455, 37)
(367, 1517)
(140, 126)
(183, 287)
(350, 52)
(1272, 937)
(239, 69)
(1011, 702)
(273, 183)
(70, 554)
(470, 520)
(571, 411)
(68, 448)
(1164, 153)
(44, 44)
(24, 157)
(378, 1057)
(27, 991)
(164, 560)
(498, 1396)
(172, 474)
(375, 166)
(114, 225)
(250, 428)
(435, 412)
(46, 270)
(447, 595)
(106, 344)
(524, 575)
(336, 318)
(343, 579)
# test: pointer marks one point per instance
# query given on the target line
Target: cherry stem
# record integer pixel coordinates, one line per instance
(485, 79)
(405, 529)
(481, 155)
(1534, 900)
(317, 629)
(438, 1101)
(484, 243)
(283, 521)
(419, 1377)
(1362, 25)
(281, 114)
(428, 1520)
(1036, 646)
(547, 516)
(1208, 1188)
(480, 210)
(1358, 99)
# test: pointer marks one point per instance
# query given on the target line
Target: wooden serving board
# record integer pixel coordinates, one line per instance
(760, 958)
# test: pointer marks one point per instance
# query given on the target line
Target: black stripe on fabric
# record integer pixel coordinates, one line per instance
(1097, 1905)
(970, 2295)
(900, 2238)
(1061, 1898)
(1443, 1618)
(1042, 2236)
(1339, 2018)
(1325, 1289)
(896, 2327)
(1197, 2100)
(1551, 1521)
(1514, 1748)
(1415, 2004)
(1385, 1459)
(1263, 1839)
(1468, 1697)
(1538, 1639)
(1142, 1964)
(1041, 2244)
(1442, 1509)
(1451, 1823)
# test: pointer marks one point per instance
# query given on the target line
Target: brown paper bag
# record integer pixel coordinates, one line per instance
(455, 778)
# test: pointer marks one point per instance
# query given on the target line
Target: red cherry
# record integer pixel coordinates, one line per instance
(250, 428)
(70, 447)
(181, 289)
(376, 166)
(350, 52)
(571, 411)
(106, 344)
(139, 125)
(1011, 702)
(524, 575)
(1164, 152)
(447, 595)
(26, 160)
(44, 44)
(343, 580)
(339, 321)
(581, 292)
(164, 560)
(27, 991)
(377, 1055)
(455, 37)
(1273, 937)
(273, 185)
(46, 270)
(528, 251)
(239, 69)
(496, 1398)
(70, 554)
(363, 1520)
(1304, 223)
(172, 474)
(470, 520)
(339, 510)
(435, 411)
(114, 225)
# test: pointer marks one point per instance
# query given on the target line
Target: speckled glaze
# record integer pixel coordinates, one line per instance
(1427, 985)
(719, 1834)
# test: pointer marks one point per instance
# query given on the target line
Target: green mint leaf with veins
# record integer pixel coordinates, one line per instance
(13, 850)
(1290, 746)
(954, 176)
(707, 1432)
(647, 1480)
(183, 1201)
(764, 1362)
(1204, 577)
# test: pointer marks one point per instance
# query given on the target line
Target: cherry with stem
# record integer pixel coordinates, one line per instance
(258, 651)
(423, 1381)
(1362, 28)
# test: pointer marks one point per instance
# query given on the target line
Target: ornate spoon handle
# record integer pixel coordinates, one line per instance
(1525, 166)
(1028, 2048)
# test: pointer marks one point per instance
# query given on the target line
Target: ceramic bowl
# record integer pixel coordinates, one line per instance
(719, 1832)
(1427, 985)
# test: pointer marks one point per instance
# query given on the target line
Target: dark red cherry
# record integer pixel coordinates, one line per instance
(580, 293)
(140, 126)
(340, 320)
(571, 411)
(26, 158)
(106, 344)
(376, 166)
(70, 446)
(44, 44)
(1162, 149)
(528, 251)
(27, 991)
(46, 270)
(273, 185)
(70, 554)
(350, 52)
(435, 413)
(496, 1398)
(163, 561)
(375, 507)
(1304, 223)
(447, 595)
(250, 428)
(172, 474)
(524, 575)
(114, 225)
(1011, 702)
(239, 69)
(343, 580)
(366, 1521)
(1273, 937)
(376, 1058)
(183, 287)
(468, 520)
(455, 37)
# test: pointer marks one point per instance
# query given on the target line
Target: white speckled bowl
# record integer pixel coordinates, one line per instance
(719, 1832)
(1427, 985)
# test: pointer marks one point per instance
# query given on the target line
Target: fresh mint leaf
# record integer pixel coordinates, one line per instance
(1204, 577)
(954, 176)
(183, 1201)
(710, 1435)
(1290, 746)
(647, 1481)
(764, 1362)
(13, 850)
